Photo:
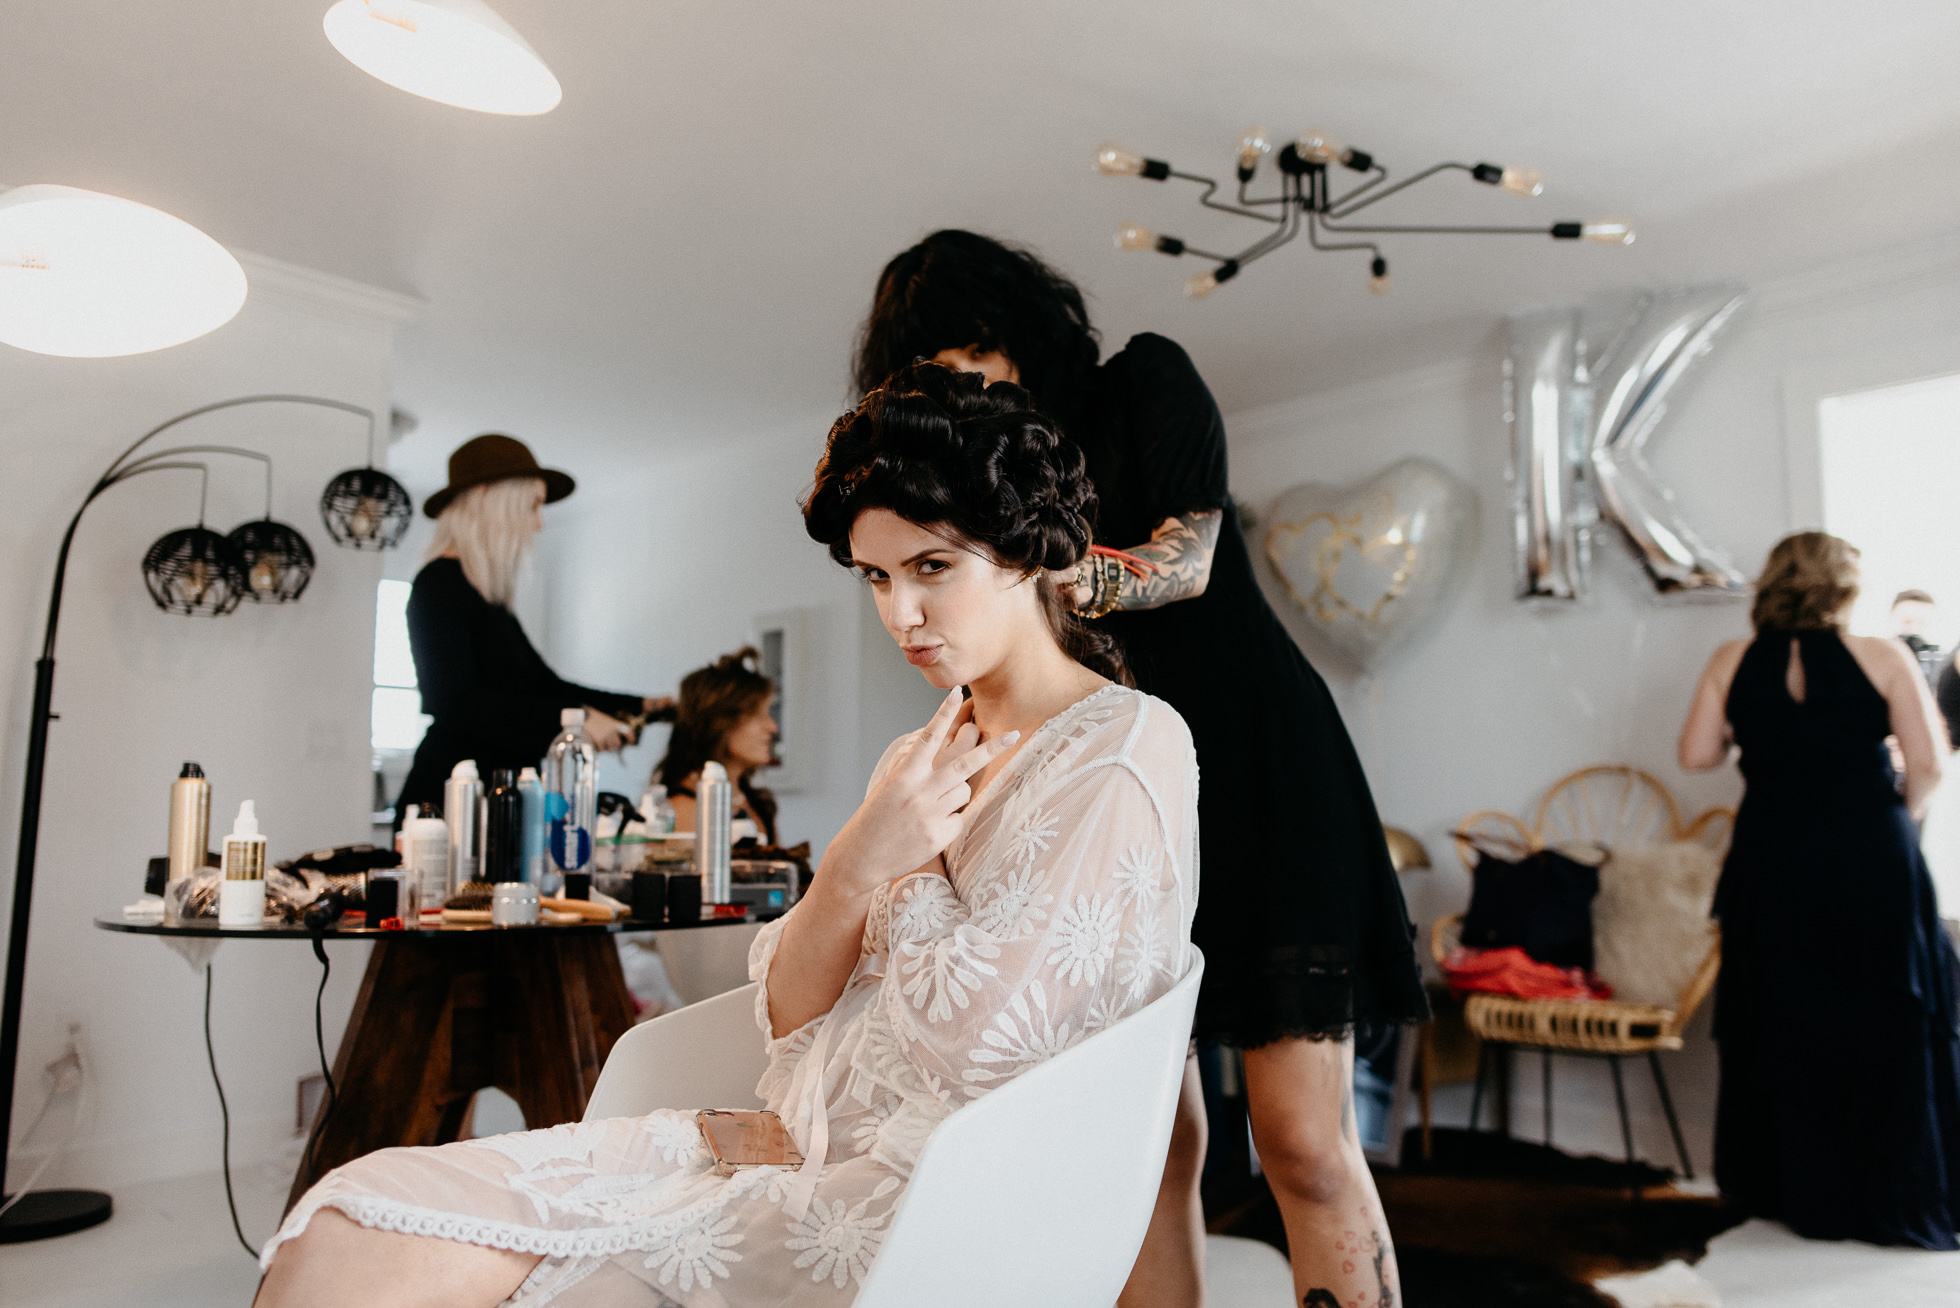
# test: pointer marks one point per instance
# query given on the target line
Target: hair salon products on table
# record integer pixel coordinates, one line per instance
(190, 822)
(425, 857)
(571, 794)
(713, 807)
(461, 796)
(241, 895)
(532, 845)
(657, 811)
(503, 828)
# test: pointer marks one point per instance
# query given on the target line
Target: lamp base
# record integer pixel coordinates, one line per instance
(44, 1214)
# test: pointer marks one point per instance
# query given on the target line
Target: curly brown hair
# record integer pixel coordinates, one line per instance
(1807, 584)
(979, 464)
(712, 701)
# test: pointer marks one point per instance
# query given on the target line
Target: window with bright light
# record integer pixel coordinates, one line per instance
(397, 720)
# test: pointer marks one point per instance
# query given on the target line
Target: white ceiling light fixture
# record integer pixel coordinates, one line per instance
(456, 52)
(88, 275)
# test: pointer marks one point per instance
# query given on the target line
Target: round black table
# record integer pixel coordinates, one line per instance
(446, 1011)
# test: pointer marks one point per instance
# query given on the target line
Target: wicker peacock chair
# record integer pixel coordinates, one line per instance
(1597, 808)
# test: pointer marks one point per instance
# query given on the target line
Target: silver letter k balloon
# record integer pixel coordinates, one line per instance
(1580, 422)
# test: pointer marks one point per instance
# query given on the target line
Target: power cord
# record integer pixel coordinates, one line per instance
(320, 1040)
(224, 1110)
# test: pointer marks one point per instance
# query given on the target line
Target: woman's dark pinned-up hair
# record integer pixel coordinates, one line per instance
(956, 290)
(980, 465)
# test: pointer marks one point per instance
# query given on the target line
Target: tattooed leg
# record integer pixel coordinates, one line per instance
(1300, 1096)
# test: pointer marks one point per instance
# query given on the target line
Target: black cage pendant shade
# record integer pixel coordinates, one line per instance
(366, 509)
(276, 560)
(194, 571)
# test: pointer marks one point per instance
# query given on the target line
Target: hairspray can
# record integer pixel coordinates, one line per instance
(532, 845)
(190, 822)
(461, 796)
(503, 829)
(712, 810)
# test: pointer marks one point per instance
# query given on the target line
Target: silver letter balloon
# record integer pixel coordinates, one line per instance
(1581, 412)
(1363, 569)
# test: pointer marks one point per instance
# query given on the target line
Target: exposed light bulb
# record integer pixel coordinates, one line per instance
(1199, 285)
(365, 521)
(87, 275)
(1378, 283)
(1521, 181)
(1118, 162)
(1252, 144)
(194, 583)
(1135, 236)
(1318, 147)
(265, 576)
(455, 52)
(1607, 231)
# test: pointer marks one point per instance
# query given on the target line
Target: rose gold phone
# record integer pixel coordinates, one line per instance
(741, 1138)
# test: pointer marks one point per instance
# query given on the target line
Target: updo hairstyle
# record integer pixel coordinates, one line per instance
(977, 464)
(713, 701)
(1808, 583)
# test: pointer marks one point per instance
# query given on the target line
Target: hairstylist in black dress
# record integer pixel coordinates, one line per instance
(492, 698)
(1301, 919)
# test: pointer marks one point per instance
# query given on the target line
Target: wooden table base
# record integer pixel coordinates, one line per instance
(438, 1019)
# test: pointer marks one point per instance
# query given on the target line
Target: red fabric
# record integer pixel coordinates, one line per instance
(1511, 971)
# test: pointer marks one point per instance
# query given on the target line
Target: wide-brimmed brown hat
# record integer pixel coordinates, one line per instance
(493, 457)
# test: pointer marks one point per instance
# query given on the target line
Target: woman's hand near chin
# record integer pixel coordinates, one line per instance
(904, 825)
(916, 808)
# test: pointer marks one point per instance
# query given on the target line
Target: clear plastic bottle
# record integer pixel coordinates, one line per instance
(425, 855)
(571, 794)
(658, 811)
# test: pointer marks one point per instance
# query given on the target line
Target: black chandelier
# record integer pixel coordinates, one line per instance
(366, 509)
(1306, 200)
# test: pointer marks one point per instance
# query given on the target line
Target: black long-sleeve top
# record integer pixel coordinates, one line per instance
(492, 697)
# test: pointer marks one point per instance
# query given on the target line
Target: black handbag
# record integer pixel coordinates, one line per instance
(1541, 903)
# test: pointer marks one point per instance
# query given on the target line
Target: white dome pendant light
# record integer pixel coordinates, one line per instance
(452, 51)
(88, 275)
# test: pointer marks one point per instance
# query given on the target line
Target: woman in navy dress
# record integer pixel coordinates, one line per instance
(1835, 1012)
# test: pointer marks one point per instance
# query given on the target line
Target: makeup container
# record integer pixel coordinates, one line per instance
(513, 903)
(383, 899)
(241, 895)
(425, 862)
(683, 898)
(650, 896)
(578, 885)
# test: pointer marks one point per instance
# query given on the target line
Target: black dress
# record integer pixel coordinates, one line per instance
(1301, 918)
(492, 698)
(1835, 1011)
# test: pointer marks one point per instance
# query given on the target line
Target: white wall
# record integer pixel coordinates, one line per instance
(272, 700)
(1499, 699)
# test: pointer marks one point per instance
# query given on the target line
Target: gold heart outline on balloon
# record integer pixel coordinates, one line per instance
(1327, 603)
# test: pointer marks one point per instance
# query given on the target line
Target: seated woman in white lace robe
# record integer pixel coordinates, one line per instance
(1021, 874)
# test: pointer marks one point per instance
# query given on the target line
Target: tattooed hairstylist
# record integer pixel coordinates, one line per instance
(1301, 917)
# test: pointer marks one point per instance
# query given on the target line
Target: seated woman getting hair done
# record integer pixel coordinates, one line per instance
(1022, 872)
(723, 717)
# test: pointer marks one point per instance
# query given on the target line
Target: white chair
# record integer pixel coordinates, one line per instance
(1036, 1194)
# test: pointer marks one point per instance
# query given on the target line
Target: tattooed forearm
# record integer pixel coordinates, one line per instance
(1181, 548)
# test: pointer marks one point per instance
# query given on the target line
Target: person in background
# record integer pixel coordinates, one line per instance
(1913, 616)
(723, 715)
(491, 696)
(1835, 1011)
(1302, 919)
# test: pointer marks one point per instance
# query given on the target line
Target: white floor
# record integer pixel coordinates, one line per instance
(170, 1245)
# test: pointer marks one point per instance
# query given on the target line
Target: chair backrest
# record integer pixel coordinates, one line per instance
(707, 1055)
(1039, 1193)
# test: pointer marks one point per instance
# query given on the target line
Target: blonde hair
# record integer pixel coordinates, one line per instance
(1807, 584)
(489, 530)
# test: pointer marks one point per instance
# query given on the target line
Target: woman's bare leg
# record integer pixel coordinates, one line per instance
(1300, 1094)
(1170, 1268)
(338, 1263)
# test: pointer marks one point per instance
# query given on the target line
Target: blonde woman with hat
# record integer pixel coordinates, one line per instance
(491, 696)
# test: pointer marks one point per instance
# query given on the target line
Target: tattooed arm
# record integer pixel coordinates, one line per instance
(1182, 548)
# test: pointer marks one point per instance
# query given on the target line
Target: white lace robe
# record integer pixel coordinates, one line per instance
(1068, 908)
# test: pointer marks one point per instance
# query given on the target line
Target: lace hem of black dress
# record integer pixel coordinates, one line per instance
(1303, 1001)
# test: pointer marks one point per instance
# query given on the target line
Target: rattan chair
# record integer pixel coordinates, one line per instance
(1599, 808)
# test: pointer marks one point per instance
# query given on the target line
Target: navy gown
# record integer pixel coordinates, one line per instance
(1835, 1012)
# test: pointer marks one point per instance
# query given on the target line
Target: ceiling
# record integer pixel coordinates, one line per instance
(678, 255)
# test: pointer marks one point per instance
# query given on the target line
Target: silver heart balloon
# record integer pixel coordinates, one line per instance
(1362, 570)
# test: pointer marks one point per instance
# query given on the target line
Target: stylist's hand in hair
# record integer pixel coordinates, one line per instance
(913, 810)
(607, 731)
